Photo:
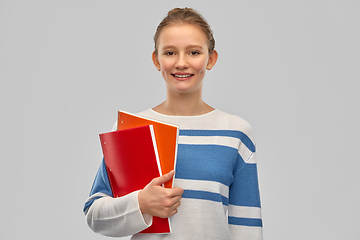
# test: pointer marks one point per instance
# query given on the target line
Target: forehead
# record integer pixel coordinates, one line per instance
(181, 34)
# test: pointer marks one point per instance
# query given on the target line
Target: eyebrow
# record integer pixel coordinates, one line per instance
(194, 46)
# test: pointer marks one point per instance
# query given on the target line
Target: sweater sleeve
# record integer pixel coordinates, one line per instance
(244, 210)
(115, 217)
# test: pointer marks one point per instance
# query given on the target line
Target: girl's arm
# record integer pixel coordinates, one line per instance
(132, 213)
(244, 216)
(116, 217)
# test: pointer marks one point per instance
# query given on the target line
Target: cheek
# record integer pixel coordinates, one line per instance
(200, 66)
(166, 66)
(163, 74)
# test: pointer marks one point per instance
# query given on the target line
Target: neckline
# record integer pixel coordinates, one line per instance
(181, 116)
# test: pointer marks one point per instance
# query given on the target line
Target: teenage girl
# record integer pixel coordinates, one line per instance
(216, 193)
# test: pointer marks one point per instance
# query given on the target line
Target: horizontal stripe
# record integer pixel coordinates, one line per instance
(251, 222)
(216, 197)
(231, 142)
(200, 185)
(210, 140)
(225, 133)
(244, 212)
(191, 207)
(206, 162)
(246, 232)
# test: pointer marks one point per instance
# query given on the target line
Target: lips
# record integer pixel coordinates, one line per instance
(182, 75)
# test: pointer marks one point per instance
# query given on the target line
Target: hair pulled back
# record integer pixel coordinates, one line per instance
(189, 16)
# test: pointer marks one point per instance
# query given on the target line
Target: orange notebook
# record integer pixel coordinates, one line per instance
(166, 138)
(132, 161)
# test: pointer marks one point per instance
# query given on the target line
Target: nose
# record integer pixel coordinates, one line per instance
(181, 62)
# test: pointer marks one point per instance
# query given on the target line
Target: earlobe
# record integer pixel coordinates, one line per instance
(212, 60)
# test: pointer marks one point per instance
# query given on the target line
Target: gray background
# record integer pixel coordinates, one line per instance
(288, 67)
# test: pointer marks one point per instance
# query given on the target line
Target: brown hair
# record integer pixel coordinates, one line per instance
(190, 16)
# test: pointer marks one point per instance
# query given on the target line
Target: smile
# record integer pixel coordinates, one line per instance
(182, 75)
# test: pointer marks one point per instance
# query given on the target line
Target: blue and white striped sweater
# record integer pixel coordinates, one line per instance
(216, 167)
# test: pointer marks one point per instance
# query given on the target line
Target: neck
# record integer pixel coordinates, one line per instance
(183, 105)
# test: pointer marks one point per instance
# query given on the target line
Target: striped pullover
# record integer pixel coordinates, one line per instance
(216, 167)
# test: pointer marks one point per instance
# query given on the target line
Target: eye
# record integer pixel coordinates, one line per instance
(169, 53)
(194, 53)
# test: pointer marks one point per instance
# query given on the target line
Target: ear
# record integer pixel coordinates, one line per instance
(155, 61)
(212, 60)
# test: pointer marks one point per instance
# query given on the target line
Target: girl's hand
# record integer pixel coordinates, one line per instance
(158, 201)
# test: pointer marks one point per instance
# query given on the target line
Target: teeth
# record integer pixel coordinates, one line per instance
(182, 76)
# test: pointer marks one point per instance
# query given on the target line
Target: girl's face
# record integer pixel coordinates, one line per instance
(183, 57)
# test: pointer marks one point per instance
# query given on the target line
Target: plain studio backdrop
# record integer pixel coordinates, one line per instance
(290, 68)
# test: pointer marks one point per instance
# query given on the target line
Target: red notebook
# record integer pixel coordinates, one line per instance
(166, 138)
(132, 161)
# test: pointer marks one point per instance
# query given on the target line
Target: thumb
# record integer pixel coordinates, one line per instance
(164, 178)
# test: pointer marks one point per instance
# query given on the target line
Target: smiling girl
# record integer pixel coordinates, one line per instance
(216, 193)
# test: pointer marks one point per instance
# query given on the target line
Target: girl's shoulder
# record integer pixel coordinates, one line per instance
(233, 122)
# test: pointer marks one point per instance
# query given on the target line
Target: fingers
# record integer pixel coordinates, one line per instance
(164, 178)
(175, 192)
(170, 202)
(168, 211)
(158, 201)
(174, 209)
